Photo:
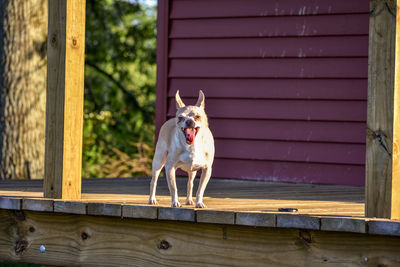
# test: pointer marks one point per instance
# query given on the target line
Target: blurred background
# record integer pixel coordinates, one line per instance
(120, 74)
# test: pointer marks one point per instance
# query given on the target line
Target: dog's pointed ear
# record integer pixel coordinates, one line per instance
(200, 100)
(179, 102)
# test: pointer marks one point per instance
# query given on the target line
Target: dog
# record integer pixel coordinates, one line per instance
(187, 143)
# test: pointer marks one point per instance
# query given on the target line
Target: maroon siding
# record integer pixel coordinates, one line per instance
(285, 83)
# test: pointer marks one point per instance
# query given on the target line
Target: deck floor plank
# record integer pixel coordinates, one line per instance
(221, 194)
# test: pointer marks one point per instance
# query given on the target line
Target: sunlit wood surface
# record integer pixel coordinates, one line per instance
(221, 194)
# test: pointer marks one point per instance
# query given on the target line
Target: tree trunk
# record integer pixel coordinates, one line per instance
(23, 35)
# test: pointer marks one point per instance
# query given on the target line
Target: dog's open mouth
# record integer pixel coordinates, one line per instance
(190, 134)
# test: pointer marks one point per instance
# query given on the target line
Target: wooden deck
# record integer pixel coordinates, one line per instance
(221, 194)
(241, 226)
(231, 202)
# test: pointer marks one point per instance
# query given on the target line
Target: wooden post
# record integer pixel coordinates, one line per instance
(382, 165)
(64, 106)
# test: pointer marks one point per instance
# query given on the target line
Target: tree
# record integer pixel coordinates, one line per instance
(119, 88)
(23, 36)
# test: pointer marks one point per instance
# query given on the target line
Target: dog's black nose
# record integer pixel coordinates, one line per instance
(190, 124)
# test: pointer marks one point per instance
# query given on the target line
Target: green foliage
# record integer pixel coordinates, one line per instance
(119, 85)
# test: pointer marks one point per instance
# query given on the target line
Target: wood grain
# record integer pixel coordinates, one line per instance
(395, 201)
(175, 214)
(64, 110)
(343, 225)
(37, 204)
(215, 216)
(140, 212)
(102, 241)
(381, 76)
(383, 227)
(298, 221)
(104, 209)
(10, 203)
(256, 219)
(72, 207)
(250, 203)
(221, 194)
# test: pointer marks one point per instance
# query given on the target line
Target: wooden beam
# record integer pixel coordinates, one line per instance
(382, 166)
(64, 108)
(75, 240)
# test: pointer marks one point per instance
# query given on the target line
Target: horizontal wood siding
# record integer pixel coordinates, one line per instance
(259, 8)
(326, 110)
(285, 84)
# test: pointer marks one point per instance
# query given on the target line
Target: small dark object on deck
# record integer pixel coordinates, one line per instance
(164, 245)
(31, 229)
(288, 210)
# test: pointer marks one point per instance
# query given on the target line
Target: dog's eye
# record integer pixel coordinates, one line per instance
(180, 118)
(197, 117)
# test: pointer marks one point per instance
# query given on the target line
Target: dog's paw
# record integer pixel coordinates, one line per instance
(189, 202)
(153, 202)
(176, 204)
(200, 205)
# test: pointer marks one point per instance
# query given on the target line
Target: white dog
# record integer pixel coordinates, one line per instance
(184, 142)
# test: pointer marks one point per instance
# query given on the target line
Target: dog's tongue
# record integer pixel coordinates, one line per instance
(189, 134)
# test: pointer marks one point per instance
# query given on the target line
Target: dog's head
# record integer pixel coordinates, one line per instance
(191, 119)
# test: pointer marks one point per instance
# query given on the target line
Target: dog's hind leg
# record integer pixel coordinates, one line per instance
(205, 177)
(189, 190)
(159, 159)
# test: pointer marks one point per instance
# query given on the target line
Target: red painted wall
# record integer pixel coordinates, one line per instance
(285, 83)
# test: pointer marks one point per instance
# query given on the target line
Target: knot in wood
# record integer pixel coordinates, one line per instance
(305, 236)
(53, 40)
(19, 215)
(74, 42)
(164, 245)
(31, 229)
(84, 236)
(20, 246)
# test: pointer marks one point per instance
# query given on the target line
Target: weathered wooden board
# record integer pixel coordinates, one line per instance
(73, 207)
(380, 119)
(215, 216)
(109, 241)
(343, 224)
(10, 203)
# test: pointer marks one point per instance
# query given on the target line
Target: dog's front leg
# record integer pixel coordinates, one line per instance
(170, 171)
(205, 177)
(189, 190)
(159, 159)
